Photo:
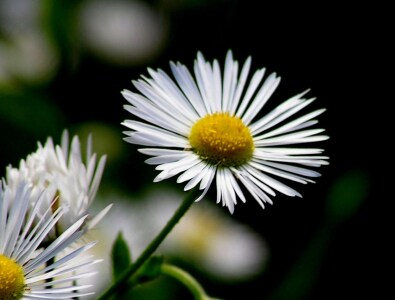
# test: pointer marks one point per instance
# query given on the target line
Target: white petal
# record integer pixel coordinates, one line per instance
(69, 279)
(248, 171)
(16, 217)
(164, 159)
(190, 158)
(230, 194)
(92, 223)
(236, 186)
(151, 129)
(174, 168)
(162, 116)
(192, 172)
(293, 169)
(255, 192)
(189, 88)
(278, 114)
(162, 101)
(287, 175)
(66, 238)
(225, 191)
(275, 184)
(254, 83)
(216, 94)
(304, 160)
(294, 125)
(169, 92)
(205, 173)
(208, 179)
(229, 81)
(290, 138)
(95, 183)
(292, 151)
(159, 151)
(43, 273)
(240, 86)
(156, 139)
(203, 81)
(37, 235)
(267, 89)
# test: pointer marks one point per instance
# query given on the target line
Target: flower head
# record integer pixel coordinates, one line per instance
(27, 270)
(207, 129)
(61, 171)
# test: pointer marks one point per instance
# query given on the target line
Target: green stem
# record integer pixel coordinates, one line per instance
(133, 268)
(185, 278)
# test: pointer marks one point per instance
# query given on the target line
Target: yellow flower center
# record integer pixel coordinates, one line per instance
(12, 280)
(222, 140)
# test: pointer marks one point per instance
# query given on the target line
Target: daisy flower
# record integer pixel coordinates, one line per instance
(28, 271)
(61, 171)
(207, 129)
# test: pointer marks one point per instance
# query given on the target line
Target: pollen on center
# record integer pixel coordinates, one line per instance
(222, 140)
(12, 280)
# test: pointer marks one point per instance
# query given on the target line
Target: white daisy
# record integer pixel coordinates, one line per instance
(28, 271)
(206, 129)
(60, 170)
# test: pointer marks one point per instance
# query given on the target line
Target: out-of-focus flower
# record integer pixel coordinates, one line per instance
(204, 130)
(27, 57)
(211, 240)
(26, 270)
(69, 182)
(26, 54)
(19, 16)
(206, 237)
(122, 32)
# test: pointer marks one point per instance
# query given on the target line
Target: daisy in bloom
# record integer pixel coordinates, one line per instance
(61, 171)
(28, 271)
(206, 129)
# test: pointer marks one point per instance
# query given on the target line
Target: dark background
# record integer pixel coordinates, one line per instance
(336, 51)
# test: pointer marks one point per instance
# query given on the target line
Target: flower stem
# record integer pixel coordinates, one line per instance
(133, 268)
(185, 278)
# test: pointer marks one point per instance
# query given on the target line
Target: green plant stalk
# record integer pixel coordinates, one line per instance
(185, 278)
(133, 268)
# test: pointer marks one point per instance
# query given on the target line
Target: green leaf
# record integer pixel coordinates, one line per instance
(303, 275)
(59, 20)
(150, 270)
(120, 256)
(347, 194)
(31, 111)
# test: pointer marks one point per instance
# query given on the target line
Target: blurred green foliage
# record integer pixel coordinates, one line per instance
(31, 111)
(347, 195)
(121, 257)
(344, 198)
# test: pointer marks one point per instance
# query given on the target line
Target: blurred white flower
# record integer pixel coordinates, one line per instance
(25, 54)
(122, 32)
(28, 57)
(61, 171)
(19, 15)
(212, 240)
(206, 237)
